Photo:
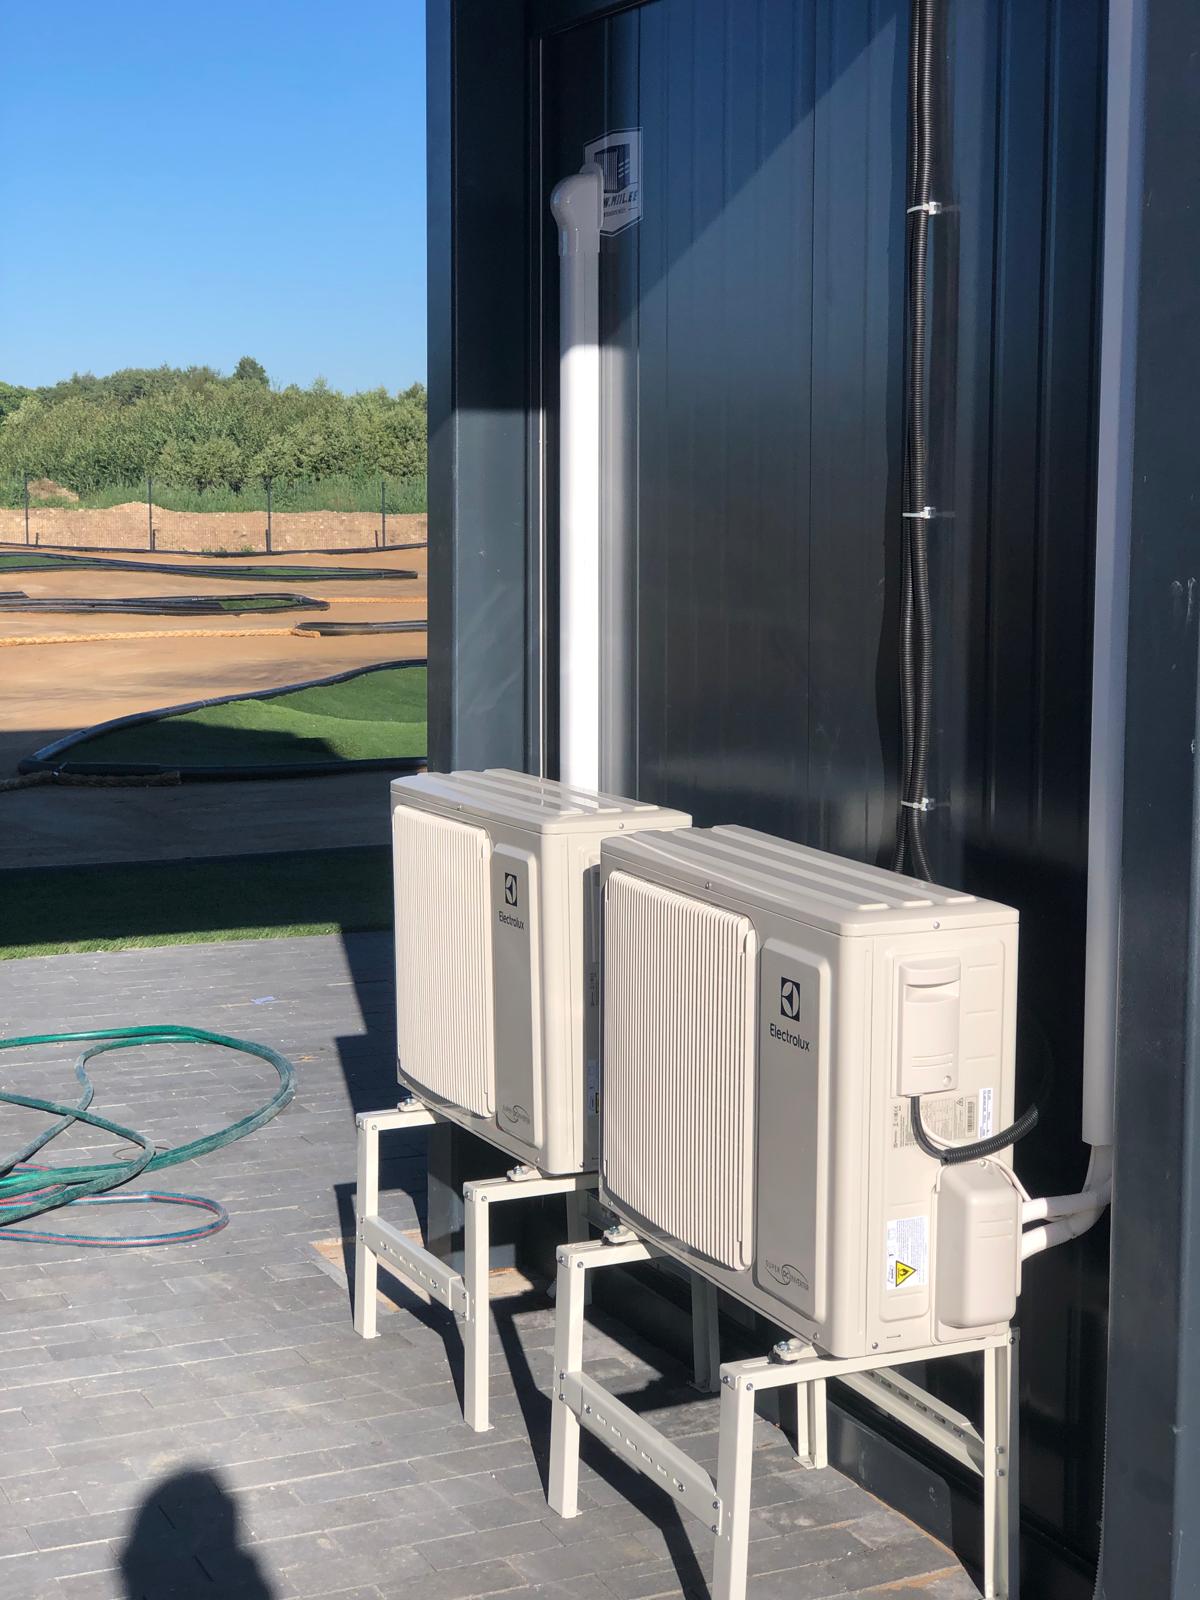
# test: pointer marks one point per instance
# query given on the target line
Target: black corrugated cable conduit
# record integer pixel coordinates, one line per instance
(916, 609)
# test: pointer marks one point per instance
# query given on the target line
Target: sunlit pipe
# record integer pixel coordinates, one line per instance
(577, 204)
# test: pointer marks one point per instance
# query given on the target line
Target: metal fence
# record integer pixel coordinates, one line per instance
(263, 516)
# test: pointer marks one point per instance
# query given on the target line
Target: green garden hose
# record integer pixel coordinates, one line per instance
(28, 1190)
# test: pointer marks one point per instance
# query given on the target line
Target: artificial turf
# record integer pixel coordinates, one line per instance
(162, 605)
(40, 560)
(377, 714)
(55, 910)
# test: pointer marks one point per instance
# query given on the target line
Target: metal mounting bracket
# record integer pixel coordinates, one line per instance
(466, 1294)
(580, 1402)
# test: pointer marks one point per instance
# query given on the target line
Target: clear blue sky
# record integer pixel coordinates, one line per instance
(190, 181)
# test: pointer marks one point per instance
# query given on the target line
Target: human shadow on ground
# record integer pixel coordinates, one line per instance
(185, 1542)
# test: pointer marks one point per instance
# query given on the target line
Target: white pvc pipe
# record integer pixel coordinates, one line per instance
(1094, 1195)
(577, 204)
(1122, 200)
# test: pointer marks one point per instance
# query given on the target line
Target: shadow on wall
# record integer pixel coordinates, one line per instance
(185, 1542)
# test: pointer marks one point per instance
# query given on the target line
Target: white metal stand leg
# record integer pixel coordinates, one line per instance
(476, 1322)
(1001, 1488)
(466, 1294)
(812, 1425)
(579, 1229)
(568, 1357)
(580, 1402)
(735, 1467)
(706, 1336)
(366, 1204)
(577, 1216)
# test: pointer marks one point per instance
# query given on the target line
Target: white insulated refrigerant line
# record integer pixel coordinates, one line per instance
(577, 205)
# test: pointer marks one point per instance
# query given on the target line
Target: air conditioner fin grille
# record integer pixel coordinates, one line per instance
(444, 958)
(679, 979)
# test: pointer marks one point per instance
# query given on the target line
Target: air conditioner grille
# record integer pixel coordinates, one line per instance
(678, 1085)
(444, 1035)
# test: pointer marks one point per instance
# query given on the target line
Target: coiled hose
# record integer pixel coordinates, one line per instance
(28, 1190)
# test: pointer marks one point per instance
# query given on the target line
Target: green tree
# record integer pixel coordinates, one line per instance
(193, 427)
(250, 371)
(11, 396)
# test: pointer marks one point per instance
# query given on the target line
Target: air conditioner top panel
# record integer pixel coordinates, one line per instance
(825, 891)
(537, 804)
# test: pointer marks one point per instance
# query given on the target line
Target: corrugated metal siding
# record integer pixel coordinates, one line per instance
(444, 1037)
(679, 1017)
(753, 327)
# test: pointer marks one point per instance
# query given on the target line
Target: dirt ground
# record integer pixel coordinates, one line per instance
(48, 689)
(127, 528)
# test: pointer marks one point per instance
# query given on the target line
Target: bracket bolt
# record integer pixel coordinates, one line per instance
(587, 1411)
(716, 1505)
(714, 1527)
(749, 1388)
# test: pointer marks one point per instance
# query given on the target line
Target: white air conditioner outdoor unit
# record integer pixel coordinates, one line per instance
(769, 1013)
(497, 951)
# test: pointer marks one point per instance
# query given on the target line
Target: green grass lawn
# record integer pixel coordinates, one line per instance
(376, 715)
(54, 910)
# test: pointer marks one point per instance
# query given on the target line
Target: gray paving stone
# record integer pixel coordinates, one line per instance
(211, 1405)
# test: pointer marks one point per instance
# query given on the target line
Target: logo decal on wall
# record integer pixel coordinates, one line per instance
(789, 999)
(787, 1274)
(619, 157)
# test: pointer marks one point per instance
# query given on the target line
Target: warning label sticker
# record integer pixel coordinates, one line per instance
(907, 1253)
(949, 1121)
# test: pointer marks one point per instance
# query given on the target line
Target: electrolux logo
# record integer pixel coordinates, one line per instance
(789, 1007)
(515, 1113)
(512, 897)
(789, 999)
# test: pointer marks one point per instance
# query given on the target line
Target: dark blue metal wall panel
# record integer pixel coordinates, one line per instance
(754, 339)
(753, 326)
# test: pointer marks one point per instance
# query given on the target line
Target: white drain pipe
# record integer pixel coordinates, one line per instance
(1064, 1217)
(577, 204)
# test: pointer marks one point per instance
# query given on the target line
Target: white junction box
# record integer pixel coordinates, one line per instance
(769, 1010)
(497, 954)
